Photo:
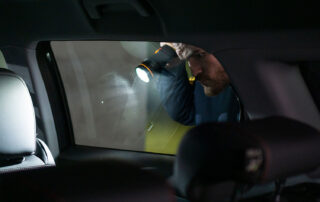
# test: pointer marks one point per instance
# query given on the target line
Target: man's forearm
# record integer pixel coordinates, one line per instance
(177, 94)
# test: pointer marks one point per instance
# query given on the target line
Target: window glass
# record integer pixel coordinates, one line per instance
(3, 63)
(110, 107)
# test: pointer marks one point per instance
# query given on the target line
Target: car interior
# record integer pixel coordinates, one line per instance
(78, 125)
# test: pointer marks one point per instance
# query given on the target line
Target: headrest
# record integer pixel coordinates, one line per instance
(252, 152)
(17, 125)
(88, 181)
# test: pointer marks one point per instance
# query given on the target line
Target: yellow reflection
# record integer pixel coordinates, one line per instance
(163, 135)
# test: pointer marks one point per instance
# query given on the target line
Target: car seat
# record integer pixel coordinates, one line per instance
(19, 147)
(216, 160)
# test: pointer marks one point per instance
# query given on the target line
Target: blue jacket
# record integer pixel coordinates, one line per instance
(187, 104)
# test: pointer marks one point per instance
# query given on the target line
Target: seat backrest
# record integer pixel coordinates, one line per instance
(18, 142)
(221, 155)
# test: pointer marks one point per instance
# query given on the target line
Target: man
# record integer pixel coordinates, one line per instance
(210, 99)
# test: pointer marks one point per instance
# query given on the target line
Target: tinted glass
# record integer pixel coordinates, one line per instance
(109, 106)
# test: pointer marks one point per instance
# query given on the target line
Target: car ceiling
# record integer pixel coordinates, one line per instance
(234, 24)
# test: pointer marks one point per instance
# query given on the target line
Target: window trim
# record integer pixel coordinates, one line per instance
(56, 94)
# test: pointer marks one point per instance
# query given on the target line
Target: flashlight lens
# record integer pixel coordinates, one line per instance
(143, 75)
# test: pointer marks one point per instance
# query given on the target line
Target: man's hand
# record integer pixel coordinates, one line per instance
(183, 50)
(168, 44)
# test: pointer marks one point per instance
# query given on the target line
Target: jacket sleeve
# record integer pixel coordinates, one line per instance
(177, 95)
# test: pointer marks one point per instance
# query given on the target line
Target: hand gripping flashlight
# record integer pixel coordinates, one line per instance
(154, 63)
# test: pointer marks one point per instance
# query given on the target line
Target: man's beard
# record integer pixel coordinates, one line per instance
(216, 86)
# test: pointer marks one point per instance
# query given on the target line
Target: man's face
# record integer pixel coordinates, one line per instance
(208, 71)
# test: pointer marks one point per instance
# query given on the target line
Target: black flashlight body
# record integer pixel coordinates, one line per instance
(158, 60)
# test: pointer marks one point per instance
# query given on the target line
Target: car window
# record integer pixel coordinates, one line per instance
(3, 63)
(110, 107)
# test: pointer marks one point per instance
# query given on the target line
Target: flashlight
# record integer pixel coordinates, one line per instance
(145, 71)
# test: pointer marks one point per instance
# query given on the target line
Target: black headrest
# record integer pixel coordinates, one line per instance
(17, 125)
(253, 152)
(112, 181)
